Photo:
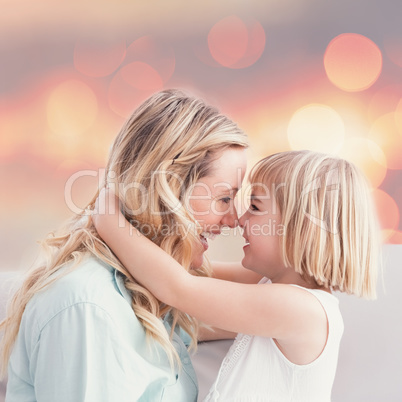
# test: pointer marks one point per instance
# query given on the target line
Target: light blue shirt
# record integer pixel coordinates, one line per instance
(79, 340)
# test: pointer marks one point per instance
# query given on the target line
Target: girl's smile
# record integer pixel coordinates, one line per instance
(262, 230)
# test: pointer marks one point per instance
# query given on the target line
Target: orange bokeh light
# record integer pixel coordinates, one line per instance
(234, 44)
(398, 116)
(23, 119)
(271, 140)
(98, 60)
(20, 126)
(227, 40)
(255, 48)
(72, 109)
(124, 98)
(394, 237)
(384, 101)
(360, 152)
(385, 134)
(142, 76)
(393, 49)
(154, 53)
(70, 166)
(316, 127)
(352, 62)
(387, 211)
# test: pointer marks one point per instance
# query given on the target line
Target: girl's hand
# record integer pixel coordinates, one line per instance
(107, 211)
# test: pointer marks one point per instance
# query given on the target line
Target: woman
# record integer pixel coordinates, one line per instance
(81, 328)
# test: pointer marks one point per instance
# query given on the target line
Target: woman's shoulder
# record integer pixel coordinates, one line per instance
(84, 280)
(90, 282)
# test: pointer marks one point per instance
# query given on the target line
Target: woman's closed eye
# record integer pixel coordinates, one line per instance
(226, 200)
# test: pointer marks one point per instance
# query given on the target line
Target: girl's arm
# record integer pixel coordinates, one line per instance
(278, 311)
(213, 334)
(229, 271)
(234, 272)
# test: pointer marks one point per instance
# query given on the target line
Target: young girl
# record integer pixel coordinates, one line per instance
(310, 229)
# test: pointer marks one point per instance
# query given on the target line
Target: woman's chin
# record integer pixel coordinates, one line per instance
(197, 261)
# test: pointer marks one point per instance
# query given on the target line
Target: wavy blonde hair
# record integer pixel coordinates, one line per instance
(163, 149)
(331, 232)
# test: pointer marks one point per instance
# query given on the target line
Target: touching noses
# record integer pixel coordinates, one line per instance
(242, 220)
(230, 218)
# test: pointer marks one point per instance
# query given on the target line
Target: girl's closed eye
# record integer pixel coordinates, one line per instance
(253, 207)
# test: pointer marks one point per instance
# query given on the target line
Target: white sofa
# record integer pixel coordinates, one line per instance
(370, 361)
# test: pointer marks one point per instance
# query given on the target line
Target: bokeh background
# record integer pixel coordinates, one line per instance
(295, 74)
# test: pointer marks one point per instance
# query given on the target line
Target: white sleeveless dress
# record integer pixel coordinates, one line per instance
(254, 368)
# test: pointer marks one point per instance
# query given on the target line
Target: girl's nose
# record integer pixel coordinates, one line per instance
(242, 220)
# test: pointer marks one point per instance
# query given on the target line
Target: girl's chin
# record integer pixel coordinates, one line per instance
(244, 263)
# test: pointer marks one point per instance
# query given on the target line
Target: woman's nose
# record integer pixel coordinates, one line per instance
(230, 218)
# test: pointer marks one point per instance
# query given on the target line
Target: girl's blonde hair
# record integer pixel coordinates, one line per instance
(163, 149)
(331, 232)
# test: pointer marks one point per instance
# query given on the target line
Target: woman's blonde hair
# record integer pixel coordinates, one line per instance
(331, 232)
(166, 146)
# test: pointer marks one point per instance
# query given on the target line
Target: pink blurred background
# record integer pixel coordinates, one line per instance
(294, 74)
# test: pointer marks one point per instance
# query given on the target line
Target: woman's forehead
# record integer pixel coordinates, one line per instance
(217, 183)
(229, 163)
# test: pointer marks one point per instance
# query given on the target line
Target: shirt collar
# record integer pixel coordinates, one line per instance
(119, 282)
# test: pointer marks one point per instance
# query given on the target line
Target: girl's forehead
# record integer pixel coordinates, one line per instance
(263, 192)
(261, 188)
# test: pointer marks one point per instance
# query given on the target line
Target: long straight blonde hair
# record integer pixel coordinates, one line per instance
(163, 149)
(331, 231)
